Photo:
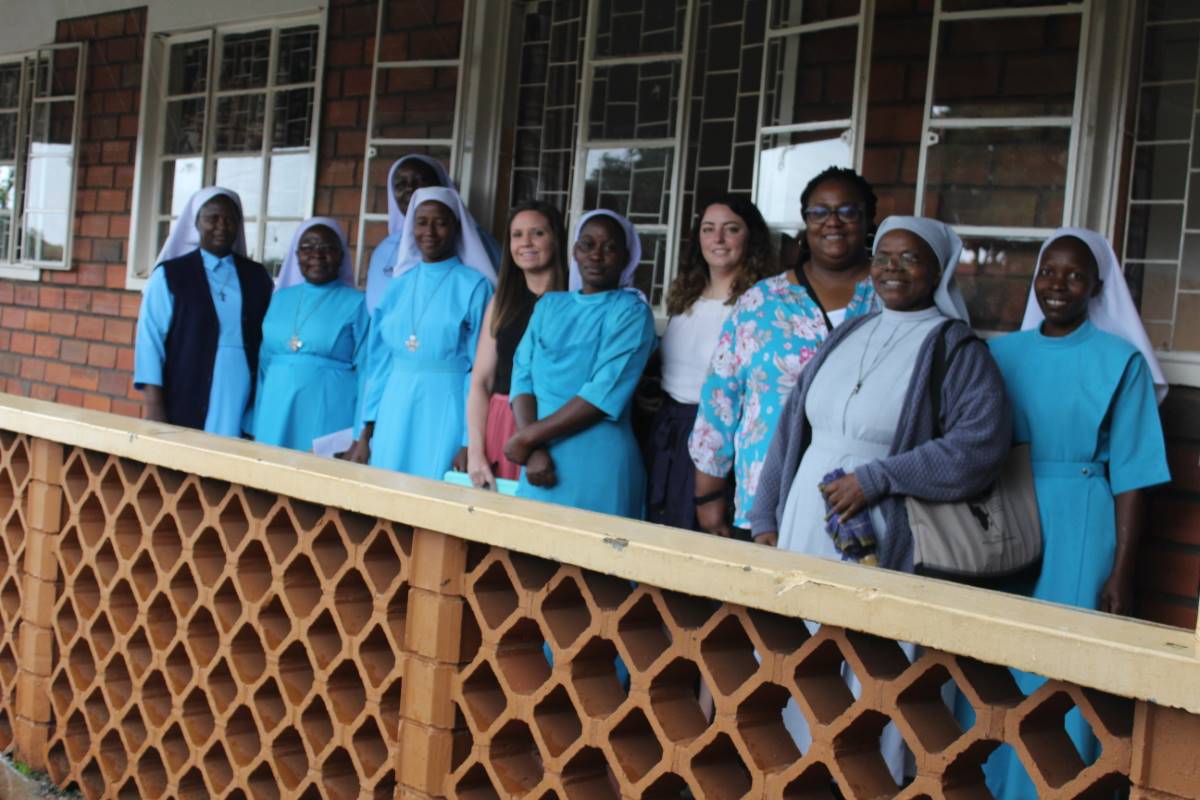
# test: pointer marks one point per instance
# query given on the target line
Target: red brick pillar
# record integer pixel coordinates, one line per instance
(433, 644)
(39, 576)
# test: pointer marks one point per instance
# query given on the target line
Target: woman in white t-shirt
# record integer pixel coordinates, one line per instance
(730, 251)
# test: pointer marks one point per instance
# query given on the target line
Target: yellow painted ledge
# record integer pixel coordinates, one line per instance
(1125, 657)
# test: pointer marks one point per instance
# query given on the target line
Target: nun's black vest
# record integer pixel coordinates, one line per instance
(191, 346)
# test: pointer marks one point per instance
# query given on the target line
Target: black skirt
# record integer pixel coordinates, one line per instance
(670, 474)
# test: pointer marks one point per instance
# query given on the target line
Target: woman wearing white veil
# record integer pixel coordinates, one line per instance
(313, 345)
(1083, 382)
(406, 175)
(200, 322)
(423, 339)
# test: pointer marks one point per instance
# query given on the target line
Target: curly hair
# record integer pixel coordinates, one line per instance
(511, 288)
(758, 262)
(861, 186)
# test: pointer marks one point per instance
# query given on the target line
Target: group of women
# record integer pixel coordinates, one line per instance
(798, 405)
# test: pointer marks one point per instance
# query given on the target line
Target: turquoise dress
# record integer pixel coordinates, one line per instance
(310, 392)
(417, 396)
(595, 347)
(1085, 404)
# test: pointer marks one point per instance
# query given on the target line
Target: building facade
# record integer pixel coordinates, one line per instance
(1006, 119)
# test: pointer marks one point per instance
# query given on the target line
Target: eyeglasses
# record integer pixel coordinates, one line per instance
(848, 213)
(905, 260)
(588, 246)
(308, 248)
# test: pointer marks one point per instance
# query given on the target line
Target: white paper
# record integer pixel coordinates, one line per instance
(332, 443)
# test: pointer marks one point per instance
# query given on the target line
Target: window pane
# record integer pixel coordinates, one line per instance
(1011, 177)
(1154, 231)
(240, 123)
(293, 118)
(8, 178)
(810, 77)
(633, 29)
(181, 179)
(1189, 273)
(63, 72)
(291, 177)
(994, 275)
(633, 182)
(297, 60)
(1018, 67)
(244, 59)
(1160, 172)
(413, 31)
(279, 236)
(1171, 52)
(635, 101)
(1187, 323)
(1172, 9)
(48, 182)
(53, 123)
(786, 13)
(1165, 113)
(1156, 293)
(183, 133)
(980, 5)
(787, 162)
(244, 176)
(188, 68)
(5, 232)
(381, 162)
(45, 236)
(415, 103)
(650, 277)
(10, 85)
(8, 136)
(252, 239)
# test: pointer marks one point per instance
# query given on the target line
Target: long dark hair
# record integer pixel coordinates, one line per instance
(861, 185)
(511, 291)
(758, 262)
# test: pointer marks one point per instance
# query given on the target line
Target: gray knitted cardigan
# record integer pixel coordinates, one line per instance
(961, 463)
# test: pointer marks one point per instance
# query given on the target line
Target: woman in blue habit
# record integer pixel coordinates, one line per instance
(574, 375)
(423, 338)
(314, 338)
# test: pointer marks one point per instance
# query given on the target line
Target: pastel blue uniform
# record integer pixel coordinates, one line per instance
(1085, 404)
(312, 391)
(594, 347)
(417, 398)
(230, 392)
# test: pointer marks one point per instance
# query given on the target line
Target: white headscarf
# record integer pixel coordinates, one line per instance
(395, 215)
(946, 245)
(290, 274)
(468, 247)
(632, 242)
(1112, 310)
(185, 236)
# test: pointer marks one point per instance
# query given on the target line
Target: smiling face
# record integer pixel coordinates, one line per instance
(723, 238)
(411, 175)
(435, 229)
(835, 243)
(531, 241)
(217, 224)
(601, 253)
(905, 271)
(320, 254)
(1067, 278)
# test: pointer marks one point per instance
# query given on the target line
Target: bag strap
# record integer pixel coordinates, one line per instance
(941, 365)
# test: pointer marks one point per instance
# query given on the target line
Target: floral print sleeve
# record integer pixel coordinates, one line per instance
(775, 328)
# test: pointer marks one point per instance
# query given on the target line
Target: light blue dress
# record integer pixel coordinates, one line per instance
(417, 398)
(379, 271)
(594, 347)
(1085, 404)
(312, 391)
(230, 392)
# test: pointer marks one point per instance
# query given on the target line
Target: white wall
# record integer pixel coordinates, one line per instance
(28, 23)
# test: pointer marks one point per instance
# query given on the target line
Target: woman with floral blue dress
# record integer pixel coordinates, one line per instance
(775, 328)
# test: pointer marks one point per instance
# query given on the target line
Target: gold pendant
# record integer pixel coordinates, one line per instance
(412, 343)
(294, 343)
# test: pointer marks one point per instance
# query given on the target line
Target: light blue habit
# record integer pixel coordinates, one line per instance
(230, 391)
(1085, 404)
(379, 271)
(594, 347)
(312, 391)
(417, 398)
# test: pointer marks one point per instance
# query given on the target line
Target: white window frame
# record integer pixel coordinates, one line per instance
(584, 143)
(454, 144)
(29, 269)
(851, 128)
(143, 242)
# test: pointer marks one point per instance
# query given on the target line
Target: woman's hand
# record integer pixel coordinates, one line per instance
(459, 462)
(360, 451)
(845, 496)
(1116, 596)
(480, 471)
(767, 538)
(519, 447)
(540, 469)
(713, 517)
